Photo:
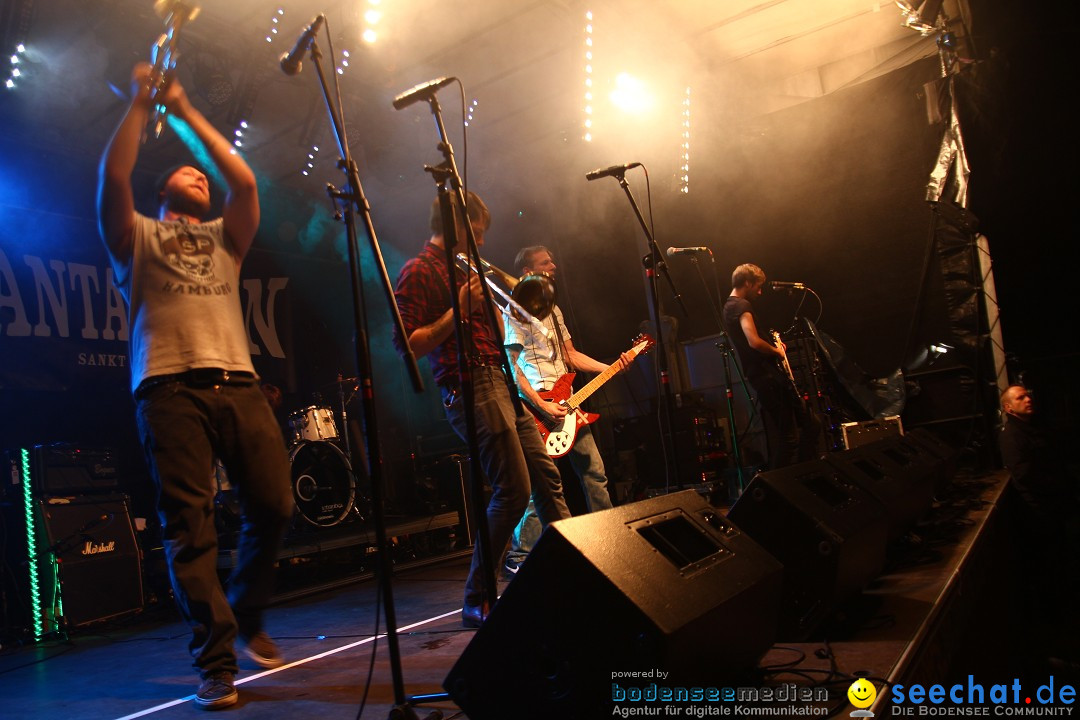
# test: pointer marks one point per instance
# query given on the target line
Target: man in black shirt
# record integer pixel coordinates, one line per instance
(789, 427)
(1039, 473)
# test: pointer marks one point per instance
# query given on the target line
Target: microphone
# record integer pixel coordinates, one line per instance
(421, 92)
(290, 61)
(614, 170)
(673, 251)
(782, 285)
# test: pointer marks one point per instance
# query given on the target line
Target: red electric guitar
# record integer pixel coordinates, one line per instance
(559, 435)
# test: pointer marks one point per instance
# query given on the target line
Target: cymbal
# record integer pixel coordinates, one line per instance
(342, 381)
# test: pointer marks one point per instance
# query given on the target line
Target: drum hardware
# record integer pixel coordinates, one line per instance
(344, 401)
(163, 52)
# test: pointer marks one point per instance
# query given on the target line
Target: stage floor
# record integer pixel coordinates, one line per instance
(920, 622)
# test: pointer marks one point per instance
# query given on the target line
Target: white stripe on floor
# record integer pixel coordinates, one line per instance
(295, 663)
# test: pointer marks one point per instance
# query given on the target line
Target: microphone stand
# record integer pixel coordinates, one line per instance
(726, 352)
(351, 198)
(654, 261)
(450, 189)
(344, 417)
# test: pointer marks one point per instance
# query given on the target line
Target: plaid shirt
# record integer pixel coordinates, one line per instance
(423, 295)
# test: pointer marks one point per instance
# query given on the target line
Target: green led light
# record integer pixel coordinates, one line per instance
(31, 544)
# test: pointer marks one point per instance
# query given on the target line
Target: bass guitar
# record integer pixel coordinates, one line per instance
(785, 366)
(559, 435)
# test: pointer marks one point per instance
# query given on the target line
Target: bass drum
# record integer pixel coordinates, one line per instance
(323, 483)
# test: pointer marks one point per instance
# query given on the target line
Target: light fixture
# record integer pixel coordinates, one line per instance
(921, 16)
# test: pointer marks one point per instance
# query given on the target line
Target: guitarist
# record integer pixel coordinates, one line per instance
(538, 362)
(789, 428)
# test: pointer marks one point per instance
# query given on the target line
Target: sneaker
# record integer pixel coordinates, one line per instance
(217, 691)
(263, 651)
(511, 567)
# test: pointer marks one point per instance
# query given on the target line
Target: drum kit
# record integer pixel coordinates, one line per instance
(324, 487)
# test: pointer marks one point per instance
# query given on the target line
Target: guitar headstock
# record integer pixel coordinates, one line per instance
(642, 344)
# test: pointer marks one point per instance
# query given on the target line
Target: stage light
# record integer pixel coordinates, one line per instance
(372, 17)
(630, 95)
(685, 180)
(274, 20)
(923, 17)
(10, 84)
(310, 165)
(369, 36)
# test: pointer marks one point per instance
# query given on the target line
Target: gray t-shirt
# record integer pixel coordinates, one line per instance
(182, 290)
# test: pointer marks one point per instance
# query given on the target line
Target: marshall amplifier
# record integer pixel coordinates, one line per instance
(65, 469)
(98, 562)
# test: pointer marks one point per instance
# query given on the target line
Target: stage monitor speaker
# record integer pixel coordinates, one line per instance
(934, 453)
(606, 600)
(896, 475)
(828, 532)
(98, 559)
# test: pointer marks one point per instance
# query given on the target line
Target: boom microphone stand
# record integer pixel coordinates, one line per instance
(653, 262)
(450, 193)
(726, 353)
(351, 199)
(451, 196)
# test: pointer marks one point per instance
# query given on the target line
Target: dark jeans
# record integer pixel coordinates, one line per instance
(792, 431)
(183, 429)
(512, 455)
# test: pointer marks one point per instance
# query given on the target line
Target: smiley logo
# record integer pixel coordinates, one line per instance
(862, 693)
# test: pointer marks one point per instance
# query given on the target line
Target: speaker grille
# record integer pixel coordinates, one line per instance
(98, 560)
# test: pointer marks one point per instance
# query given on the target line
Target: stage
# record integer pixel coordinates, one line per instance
(936, 614)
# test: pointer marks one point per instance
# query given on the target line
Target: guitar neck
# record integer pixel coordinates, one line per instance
(592, 386)
(784, 364)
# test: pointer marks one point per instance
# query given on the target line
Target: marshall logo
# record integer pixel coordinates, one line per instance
(92, 548)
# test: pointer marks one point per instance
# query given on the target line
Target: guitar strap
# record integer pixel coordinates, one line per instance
(559, 340)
